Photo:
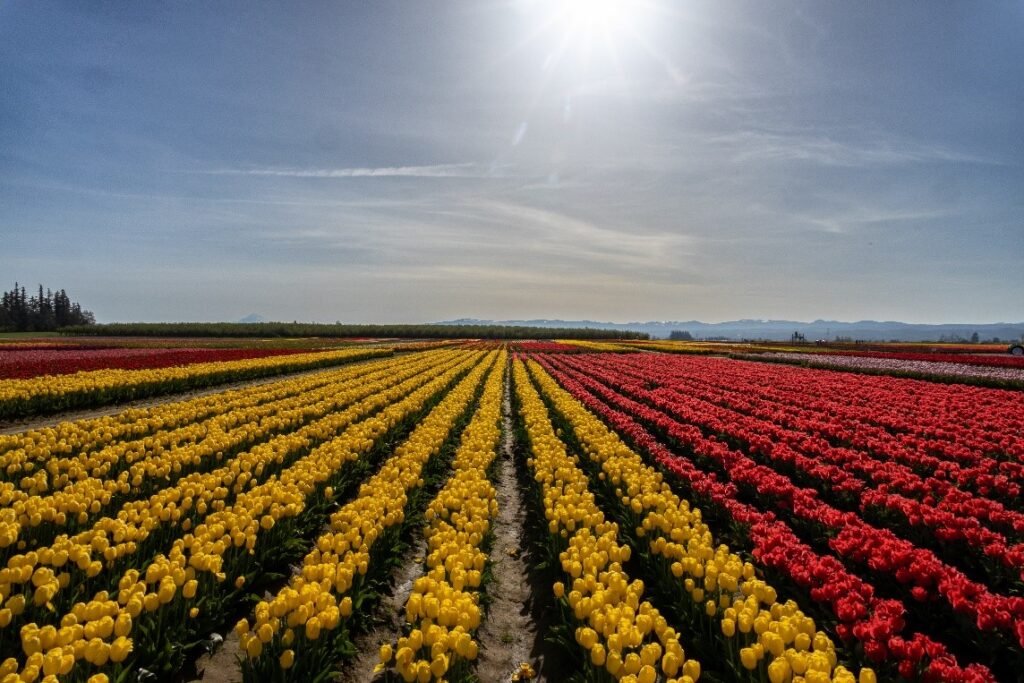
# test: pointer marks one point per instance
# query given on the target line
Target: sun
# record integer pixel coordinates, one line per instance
(588, 48)
(588, 17)
(588, 33)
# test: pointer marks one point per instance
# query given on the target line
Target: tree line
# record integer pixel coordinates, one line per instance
(40, 312)
(265, 330)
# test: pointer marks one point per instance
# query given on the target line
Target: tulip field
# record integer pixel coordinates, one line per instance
(29, 362)
(57, 390)
(685, 518)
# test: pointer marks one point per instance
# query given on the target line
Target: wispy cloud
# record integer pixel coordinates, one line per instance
(756, 145)
(566, 234)
(672, 88)
(847, 221)
(479, 232)
(462, 170)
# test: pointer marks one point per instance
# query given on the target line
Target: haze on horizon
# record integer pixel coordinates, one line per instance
(516, 159)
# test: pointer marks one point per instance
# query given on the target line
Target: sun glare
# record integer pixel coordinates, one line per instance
(587, 32)
(593, 16)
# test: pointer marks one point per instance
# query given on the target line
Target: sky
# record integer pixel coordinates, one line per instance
(421, 161)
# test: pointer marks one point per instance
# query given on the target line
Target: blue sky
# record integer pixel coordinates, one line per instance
(418, 161)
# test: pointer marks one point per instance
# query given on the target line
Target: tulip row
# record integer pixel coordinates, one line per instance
(759, 634)
(119, 473)
(939, 417)
(923, 508)
(172, 599)
(42, 517)
(962, 448)
(401, 346)
(991, 360)
(601, 347)
(954, 422)
(929, 583)
(53, 577)
(544, 347)
(869, 483)
(688, 348)
(22, 364)
(1008, 376)
(295, 634)
(945, 471)
(52, 393)
(965, 452)
(993, 623)
(990, 554)
(443, 610)
(621, 635)
(877, 624)
(56, 451)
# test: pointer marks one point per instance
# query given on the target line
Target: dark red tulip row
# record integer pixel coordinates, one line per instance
(33, 363)
(854, 477)
(954, 421)
(971, 466)
(959, 462)
(920, 571)
(968, 470)
(877, 624)
(52, 346)
(544, 347)
(908, 406)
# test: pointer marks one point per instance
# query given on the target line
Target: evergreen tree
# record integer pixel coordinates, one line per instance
(45, 310)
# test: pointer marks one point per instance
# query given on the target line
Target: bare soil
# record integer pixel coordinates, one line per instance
(221, 665)
(508, 636)
(389, 620)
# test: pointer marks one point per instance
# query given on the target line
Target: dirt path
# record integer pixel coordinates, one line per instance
(508, 636)
(221, 665)
(36, 422)
(389, 613)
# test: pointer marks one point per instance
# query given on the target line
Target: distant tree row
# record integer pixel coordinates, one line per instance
(40, 312)
(342, 330)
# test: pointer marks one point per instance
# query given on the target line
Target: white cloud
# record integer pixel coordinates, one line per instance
(847, 221)
(462, 170)
(756, 145)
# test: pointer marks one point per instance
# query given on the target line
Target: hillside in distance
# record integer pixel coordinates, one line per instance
(780, 330)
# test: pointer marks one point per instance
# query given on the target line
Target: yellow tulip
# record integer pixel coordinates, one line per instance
(313, 629)
(120, 649)
(253, 647)
(779, 671)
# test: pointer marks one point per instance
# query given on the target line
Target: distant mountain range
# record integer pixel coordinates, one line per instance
(780, 330)
(253, 318)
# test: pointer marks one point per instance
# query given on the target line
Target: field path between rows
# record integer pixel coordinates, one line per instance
(390, 618)
(508, 635)
(221, 665)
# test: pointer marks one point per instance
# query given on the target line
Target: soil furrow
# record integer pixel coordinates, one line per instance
(508, 635)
